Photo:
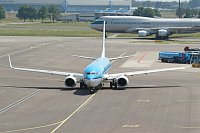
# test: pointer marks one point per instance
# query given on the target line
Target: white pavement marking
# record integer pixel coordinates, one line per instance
(20, 101)
(187, 127)
(189, 100)
(130, 126)
(32, 47)
(76, 111)
(143, 101)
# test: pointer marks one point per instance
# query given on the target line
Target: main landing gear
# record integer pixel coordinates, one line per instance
(113, 85)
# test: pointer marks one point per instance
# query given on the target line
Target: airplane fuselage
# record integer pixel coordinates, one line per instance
(134, 24)
(94, 72)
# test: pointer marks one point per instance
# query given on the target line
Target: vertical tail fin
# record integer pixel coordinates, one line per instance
(104, 37)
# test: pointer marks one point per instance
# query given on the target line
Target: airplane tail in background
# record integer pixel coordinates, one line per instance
(103, 54)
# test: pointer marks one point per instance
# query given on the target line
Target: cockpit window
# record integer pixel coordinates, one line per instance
(91, 73)
(98, 22)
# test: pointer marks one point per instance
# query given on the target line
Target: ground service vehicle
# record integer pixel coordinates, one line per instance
(187, 57)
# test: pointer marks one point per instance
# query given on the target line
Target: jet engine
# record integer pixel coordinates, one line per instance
(70, 81)
(122, 81)
(163, 33)
(142, 33)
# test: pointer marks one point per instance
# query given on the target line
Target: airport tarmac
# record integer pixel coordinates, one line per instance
(166, 102)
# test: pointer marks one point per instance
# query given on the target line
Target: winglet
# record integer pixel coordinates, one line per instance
(10, 61)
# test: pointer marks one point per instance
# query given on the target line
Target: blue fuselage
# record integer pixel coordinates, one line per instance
(94, 72)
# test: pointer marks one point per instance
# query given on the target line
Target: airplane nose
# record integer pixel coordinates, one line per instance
(92, 26)
(90, 83)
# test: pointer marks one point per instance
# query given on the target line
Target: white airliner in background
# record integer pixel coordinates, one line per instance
(145, 26)
(96, 73)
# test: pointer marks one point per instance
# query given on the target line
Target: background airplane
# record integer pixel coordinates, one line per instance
(96, 73)
(145, 26)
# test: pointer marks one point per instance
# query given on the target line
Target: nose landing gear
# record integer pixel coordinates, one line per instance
(95, 89)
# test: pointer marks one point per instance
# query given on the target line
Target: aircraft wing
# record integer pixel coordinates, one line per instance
(45, 71)
(114, 76)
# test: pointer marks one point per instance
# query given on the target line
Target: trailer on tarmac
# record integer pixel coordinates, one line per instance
(187, 57)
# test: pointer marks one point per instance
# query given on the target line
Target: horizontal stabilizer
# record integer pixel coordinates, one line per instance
(85, 57)
(120, 57)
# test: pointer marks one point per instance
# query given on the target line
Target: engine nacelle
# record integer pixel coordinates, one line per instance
(142, 33)
(122, 81)
(70, 81)
(163, 33)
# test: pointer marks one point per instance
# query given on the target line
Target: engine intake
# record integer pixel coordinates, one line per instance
(163, 33)
(142, 33)
(70, 81)
(122, 81)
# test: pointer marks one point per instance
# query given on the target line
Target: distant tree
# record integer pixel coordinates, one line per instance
(146, 12)
(188, 13)
(32, 13)
(194, 3)
(27, 12)
(2, 13)
(42, 13)
(199, 14)
(23, 13)
(54, 13)
(182, 12)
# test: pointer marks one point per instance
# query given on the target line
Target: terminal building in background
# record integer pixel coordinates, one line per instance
(71, 6)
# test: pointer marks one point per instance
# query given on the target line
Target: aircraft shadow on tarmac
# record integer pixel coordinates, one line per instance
(83, 92)
(156, 39)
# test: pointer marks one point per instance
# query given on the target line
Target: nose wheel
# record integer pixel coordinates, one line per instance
(93, 90)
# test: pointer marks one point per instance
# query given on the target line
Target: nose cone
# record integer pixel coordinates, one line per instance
(90, 83)
(93, 26)
(97, 25)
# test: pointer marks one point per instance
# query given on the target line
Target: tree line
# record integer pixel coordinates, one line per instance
(27, 12)
(146, 12)
(2, 13)
(188, 13)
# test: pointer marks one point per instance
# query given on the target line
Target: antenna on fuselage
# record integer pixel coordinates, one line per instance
(104, 39)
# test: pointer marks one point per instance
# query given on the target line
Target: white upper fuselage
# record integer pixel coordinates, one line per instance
(132, 24)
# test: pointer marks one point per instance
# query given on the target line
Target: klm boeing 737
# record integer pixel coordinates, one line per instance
(145, 26)
(96, 73)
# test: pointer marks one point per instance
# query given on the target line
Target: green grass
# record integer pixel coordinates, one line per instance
(61, 33)
(12, 26)
(75, 29)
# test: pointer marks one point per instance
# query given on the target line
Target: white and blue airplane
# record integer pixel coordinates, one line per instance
(162, 28)
(96, 73)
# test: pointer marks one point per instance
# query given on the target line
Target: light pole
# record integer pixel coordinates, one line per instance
(179, 9)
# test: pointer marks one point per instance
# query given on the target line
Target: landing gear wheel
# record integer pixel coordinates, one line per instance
(92, 91)
(115, 84)
(82, 85)
(111, 85)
